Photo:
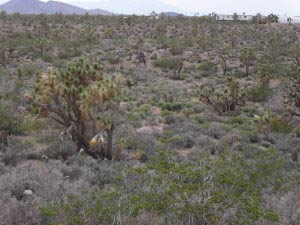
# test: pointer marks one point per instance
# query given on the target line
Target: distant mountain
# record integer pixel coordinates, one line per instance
(50, 7)
(171, 14)
(131, 6)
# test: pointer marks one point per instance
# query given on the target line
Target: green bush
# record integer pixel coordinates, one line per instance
(259, 94)
(143, 110)
(167, 63)
(171, 106)
(207, 66)
(170, 189)
(113, 59)
(176, 48)
(280, 125)
(10, 121)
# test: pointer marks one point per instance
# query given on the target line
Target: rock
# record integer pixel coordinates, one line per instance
(274, 83)
(125, 106)
(28, 192)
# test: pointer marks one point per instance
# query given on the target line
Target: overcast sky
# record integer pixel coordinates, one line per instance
(290, 7)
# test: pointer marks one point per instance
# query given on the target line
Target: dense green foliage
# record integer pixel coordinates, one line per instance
(227, 190)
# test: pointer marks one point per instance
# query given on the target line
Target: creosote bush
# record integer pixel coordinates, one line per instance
(203, 191)
(259, 94)
(168, 63)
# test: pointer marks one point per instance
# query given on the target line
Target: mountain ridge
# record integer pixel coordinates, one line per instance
(50, 7)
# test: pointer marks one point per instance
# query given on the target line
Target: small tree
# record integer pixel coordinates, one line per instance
(204, 41)
(41, 44)
(247, 55)
(264, 73)
(235, 16)
(292, 97)
(88, 35)
(224, 55)
(273, 18)
(225, 101)
(4, 55)
(85, 102)
(295, 53)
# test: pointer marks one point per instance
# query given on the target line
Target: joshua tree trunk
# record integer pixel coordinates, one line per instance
(224, 66)
(247, 66)
(109, 142)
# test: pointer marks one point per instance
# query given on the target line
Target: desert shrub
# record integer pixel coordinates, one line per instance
(47, 57)
(169, 189)
(254, 138)
(28, 70)
(46, 183)
(135, 119)
(271, 122)
(188, 42)
(20, 41)
(10, 121)
(167, 63)
(259, 94)
(19, 213)
(207, 66)
(144, 110)
(59, 149)
(177, 76)
(69, 53)
(171, 106)
(72, 173)
(280, 125)
(113, 58)
(185, 141)
(176, 48)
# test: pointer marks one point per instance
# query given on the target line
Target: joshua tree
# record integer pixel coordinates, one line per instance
(3, 55)
(235, 16)
(3, 139)
(140, 58)
(247, 55)
(295, 53)
(264, 73)
(292, 98)
(88, 35)
(204, 41)
(225, 101)
(85, 102)
(41, 44)
(233, 38)
(224, 55)
(273, 18)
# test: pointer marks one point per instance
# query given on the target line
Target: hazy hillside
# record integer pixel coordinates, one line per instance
(136, 6)
(51, 7)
